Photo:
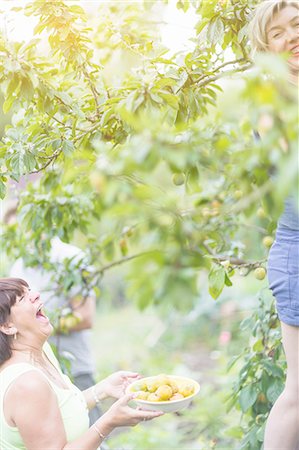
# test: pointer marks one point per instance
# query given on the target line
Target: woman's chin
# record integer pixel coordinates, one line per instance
(47, 329)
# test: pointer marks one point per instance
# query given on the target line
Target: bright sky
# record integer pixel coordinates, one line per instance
(175, 34)
(180, 27)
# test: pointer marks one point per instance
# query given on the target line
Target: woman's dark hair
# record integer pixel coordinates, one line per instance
(10, 289)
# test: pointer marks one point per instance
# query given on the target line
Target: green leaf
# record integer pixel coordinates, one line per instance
(258, 346)
(183, 4)
(8, 103)
(235, 432)
(162, 82)
(215, 31)
(106, 116)
(14, 86)
(274, 390)
(56, 143)
(77, 10)
(13, 134)
(137, 102)
(29, 161)
(207, 8)
(40, 27)
(155, 97)
(2, 189)
(17, 163)
(261, 433)
(144, 300)
(248, 397)
(3, 151)
(227, 280)
(202, 24)
(216, 281)
(273, 369)
(233, 361)
(246, 323)
(252, 436)
(183, 77)
(67, 147)
(27, 89)
(170, 99)
(127, 116)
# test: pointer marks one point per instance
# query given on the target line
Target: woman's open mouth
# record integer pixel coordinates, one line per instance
(40, 315)
(295, 51)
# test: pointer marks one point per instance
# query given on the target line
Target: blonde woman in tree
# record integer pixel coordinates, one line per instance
(275, 28)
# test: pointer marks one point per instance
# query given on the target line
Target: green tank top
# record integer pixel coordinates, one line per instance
(71, 403)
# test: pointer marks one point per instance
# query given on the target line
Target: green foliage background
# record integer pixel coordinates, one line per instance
(145, 158)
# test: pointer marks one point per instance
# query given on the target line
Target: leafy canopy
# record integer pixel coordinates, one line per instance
(142, 156)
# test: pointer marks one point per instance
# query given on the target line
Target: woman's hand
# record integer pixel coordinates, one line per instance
(115, 385)
(121, 414)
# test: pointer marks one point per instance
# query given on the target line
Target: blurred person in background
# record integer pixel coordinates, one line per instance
(275, 28)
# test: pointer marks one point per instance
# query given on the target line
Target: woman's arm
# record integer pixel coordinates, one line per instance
(120, 414)
(85, 310)
(31, 405)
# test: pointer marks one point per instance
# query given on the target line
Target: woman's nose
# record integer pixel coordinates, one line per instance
(34, 296)
(292, 35)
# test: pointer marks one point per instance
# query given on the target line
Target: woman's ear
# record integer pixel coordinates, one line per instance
(8, 328)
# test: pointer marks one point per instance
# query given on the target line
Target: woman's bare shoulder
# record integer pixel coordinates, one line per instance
(30, 384)
(27, 397)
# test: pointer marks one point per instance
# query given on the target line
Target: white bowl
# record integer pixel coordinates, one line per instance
(169, 405)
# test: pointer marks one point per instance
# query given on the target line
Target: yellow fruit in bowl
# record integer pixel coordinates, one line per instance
(142, 395)
(174, 387)
(164, 392)
(186, 390)
(176, 396)
(152, 397)
(171, 393)
(140, 386)
(152, 385)
(162, 379)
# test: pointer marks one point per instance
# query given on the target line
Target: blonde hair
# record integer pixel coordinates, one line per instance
(263, 14)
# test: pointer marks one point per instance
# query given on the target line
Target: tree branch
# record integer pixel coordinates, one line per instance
(121, 261)
(51, 159)
(90, 130)
(92, 88)
(233, 260)
(228, 63)
(210, 79)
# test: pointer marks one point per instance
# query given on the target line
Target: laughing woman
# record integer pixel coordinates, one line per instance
(40, 407)
(275, 28)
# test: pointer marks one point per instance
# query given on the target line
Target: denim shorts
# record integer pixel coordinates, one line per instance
(283, 275)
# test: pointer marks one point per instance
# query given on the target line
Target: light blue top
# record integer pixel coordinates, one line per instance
(289, 220)
(290, 217)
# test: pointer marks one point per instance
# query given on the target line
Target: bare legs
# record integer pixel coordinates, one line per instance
(282, 429)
